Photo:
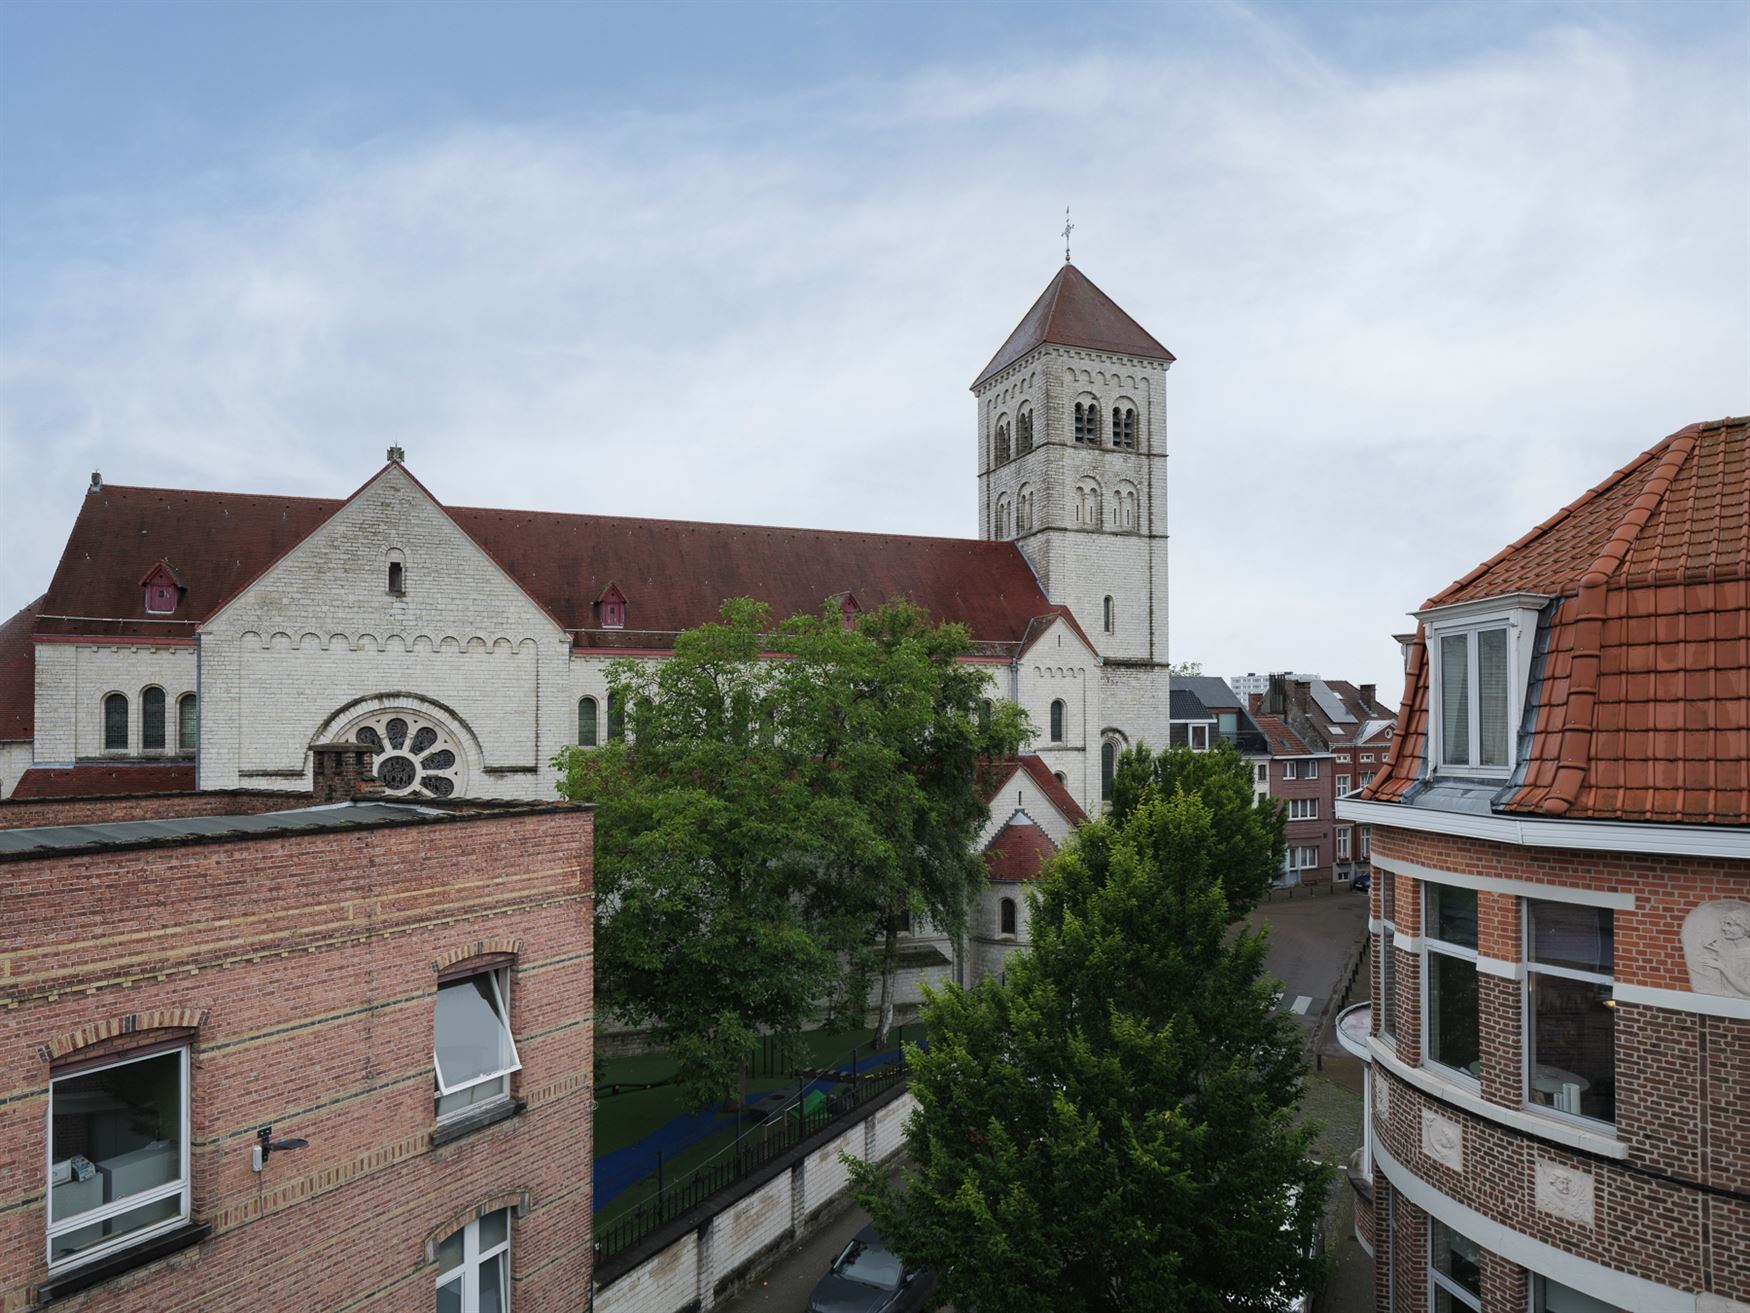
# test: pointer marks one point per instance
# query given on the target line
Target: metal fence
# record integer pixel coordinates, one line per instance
(752, 1150)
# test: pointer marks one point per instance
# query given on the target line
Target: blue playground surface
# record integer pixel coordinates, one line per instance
(620, 1170)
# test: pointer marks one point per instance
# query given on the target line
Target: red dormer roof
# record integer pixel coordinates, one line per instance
(1033, 766)
(1018, 852)
(1073, 312)
(1641, 702)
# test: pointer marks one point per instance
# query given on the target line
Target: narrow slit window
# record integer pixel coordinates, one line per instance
(397, 579)
(152, 720)
(1008, 916)
(187, 723)
(1057, 719)
(588, 723)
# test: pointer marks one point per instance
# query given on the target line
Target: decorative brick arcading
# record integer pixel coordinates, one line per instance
(478, 948)
(132, 1023)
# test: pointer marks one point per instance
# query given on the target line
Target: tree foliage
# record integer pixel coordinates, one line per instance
(1112, 1127)
(786, 793)
(1249, 833)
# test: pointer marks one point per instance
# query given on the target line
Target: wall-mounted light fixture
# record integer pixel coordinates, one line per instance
(267, 1144)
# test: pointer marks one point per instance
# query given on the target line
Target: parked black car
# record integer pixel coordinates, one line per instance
(868, 1277)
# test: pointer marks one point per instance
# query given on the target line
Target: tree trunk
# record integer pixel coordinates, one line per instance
(889, 955)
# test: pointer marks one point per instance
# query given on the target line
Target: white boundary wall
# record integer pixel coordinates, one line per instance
(685, 1274)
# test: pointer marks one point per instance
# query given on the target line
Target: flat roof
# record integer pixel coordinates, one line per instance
(46, 840)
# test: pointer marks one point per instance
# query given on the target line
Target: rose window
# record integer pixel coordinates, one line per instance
(415, 756)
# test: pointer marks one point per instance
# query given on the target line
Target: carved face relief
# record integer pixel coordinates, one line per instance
(1381, 1097)
(1716, 947)
(1443, 1140)
(1564, 1192)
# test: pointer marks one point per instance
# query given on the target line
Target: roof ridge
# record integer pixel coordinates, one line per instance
(1586, 498)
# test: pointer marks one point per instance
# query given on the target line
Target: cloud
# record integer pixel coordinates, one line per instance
(1415, 311)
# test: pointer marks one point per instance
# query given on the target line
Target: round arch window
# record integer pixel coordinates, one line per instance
(416, 756)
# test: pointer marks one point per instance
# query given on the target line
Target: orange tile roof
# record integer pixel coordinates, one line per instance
(1283, 741)
(1002, 770)
(1018, 852)
(1642, 697)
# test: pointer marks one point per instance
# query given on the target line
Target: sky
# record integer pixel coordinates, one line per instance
(1430, 272)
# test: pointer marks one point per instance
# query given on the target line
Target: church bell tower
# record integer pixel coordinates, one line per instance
(1072, 463)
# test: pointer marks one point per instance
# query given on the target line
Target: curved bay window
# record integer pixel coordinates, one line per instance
(588, 723)
(1571, 1008)
(115, 723)
(1449, 967)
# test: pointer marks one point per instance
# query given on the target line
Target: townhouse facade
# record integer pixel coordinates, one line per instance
(288, 1052)
(1558, 1031)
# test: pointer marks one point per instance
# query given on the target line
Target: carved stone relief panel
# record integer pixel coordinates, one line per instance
(1564, 1191)
(1716, 947)
(1443, 1140)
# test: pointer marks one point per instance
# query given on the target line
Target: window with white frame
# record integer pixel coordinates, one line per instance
(1302, 857)
(1472, 670)
(1366, 758)
(1309, 770)
(1455, 1269)
(1553, 1297)
(1343, 757)
(1570, 1008)
(1261, 772)
(1366, 841)
(1342, 784)
(474, 1267)
(1291, 770)
(473, 1054)
(118, 1155)
(1366, 779)
(1388, 955)
(1343, 843)
(1199, 738)
(1303, 809)
(1449, 974)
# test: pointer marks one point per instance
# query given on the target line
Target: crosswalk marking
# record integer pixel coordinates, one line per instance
(1301, 1004)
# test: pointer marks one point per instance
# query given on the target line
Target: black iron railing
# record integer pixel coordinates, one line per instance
(752, 1150)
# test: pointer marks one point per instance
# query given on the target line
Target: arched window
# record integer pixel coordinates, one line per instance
(1061, 778)
(1109, 615)
(616, 716)
(115, 723)
(397, 574)
(1057, 714)
(1002, 453)
(985, 711)
(1087, 427)
(1024, 433)
(1008, 916)
(1108, 764)
(474, 1266)
(1024, 510)
(588, 725)
(152, 720)
(187, 723)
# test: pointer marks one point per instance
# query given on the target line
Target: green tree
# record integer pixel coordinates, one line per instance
(1185, 668)
(1113, 1127)
(786, 794)
(1250, 833)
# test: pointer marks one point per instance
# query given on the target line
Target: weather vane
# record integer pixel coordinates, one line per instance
(1068, 228)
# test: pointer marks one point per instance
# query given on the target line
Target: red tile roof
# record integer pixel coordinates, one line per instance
(18, 675)
(1004, 769)
(1071, 311)
(101, 781)
(675, 574)
(1018, 853)
(1642, 701)
(1283, 741)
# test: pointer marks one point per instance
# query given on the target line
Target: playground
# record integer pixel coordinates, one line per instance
(648, 1139)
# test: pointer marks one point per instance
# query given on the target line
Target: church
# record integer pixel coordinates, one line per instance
(208, 640)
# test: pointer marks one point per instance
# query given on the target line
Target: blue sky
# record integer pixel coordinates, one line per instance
(1431, 271)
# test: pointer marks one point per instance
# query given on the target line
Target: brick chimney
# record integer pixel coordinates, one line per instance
(341, 772)
(1276, 697)
(1368, 701)
(1300, 691)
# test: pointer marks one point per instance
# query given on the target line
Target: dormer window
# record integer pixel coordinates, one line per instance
(163, 589)
(1479, 661)
(849, 610)
(611, 607)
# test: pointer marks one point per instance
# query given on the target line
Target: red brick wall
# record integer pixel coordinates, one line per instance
(17, 813)
(310, 962)
(1320, 833)
(1678, 1210)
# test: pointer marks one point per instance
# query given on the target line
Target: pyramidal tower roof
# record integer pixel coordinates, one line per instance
(1073, 312)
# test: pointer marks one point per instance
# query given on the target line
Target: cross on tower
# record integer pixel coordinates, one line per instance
(1068, 228)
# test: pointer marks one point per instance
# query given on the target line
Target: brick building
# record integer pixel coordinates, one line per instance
(1559, 1026)
(1299, 775)
(404, 991)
